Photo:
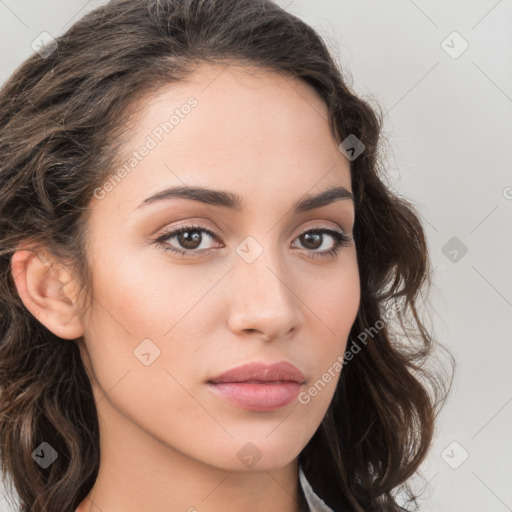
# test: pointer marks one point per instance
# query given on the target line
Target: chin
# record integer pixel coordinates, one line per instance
(256, 453)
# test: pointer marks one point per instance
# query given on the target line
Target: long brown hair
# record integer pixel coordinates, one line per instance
(63, 116)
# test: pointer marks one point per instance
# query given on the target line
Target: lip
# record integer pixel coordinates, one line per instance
(262, 373)
(259, 386)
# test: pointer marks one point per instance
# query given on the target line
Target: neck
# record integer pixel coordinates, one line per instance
(137, 472)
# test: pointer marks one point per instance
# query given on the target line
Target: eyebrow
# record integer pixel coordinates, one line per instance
(235, 202)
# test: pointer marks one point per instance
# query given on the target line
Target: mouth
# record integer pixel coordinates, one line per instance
(259, 387)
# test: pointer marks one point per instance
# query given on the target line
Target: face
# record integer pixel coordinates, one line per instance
(188, 287)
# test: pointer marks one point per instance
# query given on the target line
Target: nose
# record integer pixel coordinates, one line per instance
(263, 300)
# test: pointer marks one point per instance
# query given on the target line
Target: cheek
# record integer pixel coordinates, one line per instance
(143, 343)
(149, 296)
(335, 299)
(148, 312)
(335, 305)
(340, 303)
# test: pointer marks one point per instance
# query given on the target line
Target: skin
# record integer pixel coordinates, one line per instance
(167, 442)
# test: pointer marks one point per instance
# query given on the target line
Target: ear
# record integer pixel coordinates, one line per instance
(49, 292)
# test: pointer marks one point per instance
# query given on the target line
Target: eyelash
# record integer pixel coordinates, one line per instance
(341, 240)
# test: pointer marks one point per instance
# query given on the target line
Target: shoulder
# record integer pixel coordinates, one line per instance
(313, 503)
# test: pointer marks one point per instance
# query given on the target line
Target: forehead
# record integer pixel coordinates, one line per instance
(233, 127)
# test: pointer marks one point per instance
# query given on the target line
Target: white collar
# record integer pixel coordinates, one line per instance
(315, 503)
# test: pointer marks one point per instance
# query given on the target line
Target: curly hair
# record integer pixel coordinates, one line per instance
(63, 119)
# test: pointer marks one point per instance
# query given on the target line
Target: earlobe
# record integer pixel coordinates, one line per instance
(48, 291)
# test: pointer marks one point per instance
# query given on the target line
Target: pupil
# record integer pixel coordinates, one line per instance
(315, 237)
(190, 241)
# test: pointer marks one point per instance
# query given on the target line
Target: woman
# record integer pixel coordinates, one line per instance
(208, 294)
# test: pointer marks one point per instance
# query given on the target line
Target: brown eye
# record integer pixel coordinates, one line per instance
(187, 240)
(312, 239)
(316, 241)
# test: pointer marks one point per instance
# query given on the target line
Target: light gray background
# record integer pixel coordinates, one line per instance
(449, 126)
